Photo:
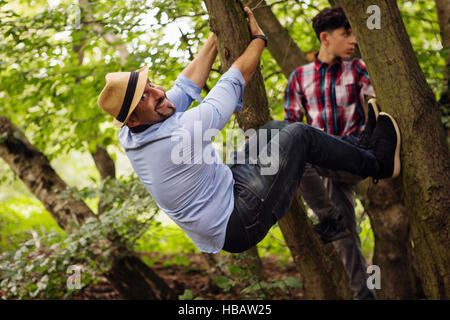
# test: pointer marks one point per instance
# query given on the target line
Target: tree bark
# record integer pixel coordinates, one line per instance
(35, 171)
(105, 165)
(393, 251)
(228, 22)
(229, 16)
(443, 15)
(403, 92)
(322, 272)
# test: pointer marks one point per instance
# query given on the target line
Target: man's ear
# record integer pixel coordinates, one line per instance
(324, 38)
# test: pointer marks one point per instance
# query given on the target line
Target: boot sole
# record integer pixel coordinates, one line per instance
(397, 164)
(373, 103)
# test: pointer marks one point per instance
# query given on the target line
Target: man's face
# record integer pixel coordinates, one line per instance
(340, 42)
(152, 108)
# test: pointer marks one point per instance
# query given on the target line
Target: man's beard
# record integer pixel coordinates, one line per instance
(170, 105)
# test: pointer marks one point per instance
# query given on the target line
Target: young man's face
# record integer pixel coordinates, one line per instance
(152, 108)
(340, 42)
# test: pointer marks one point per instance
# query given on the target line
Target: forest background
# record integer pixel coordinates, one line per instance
(54, 57)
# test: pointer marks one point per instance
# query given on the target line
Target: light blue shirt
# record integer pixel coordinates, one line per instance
(196, 194)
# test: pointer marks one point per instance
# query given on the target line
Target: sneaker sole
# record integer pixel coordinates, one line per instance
(397, 165)
(374, 105)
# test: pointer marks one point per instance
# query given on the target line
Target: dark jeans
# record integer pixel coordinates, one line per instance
(261, 200)
(328, 198)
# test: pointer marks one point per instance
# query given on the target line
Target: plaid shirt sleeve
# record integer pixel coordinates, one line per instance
(293, 107)
(364, 80)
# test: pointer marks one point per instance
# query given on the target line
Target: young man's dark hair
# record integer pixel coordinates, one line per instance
(330, 19)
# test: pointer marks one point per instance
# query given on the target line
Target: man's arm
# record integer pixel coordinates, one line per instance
(226, 96)
(199, 68)
(249, 60)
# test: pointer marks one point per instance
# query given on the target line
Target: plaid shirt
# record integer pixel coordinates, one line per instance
(332, 95)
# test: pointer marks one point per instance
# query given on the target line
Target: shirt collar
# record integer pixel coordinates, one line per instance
(140, 128)
(320, 64)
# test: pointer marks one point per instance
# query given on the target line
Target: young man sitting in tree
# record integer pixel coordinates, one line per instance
(330, 92)
(220, 206)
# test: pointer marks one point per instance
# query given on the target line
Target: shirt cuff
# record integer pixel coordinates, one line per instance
(189, 87)
(236, 77)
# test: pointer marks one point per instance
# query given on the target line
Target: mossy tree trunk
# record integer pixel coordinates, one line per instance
(403, 92)
(393, 251)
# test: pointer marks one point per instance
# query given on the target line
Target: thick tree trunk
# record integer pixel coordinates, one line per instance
(403, 92)
(393, 251)
(229, 15)
(228, 22)
(35, 171)
(104, 163)
(135, 280)
(106, 167)
(323, 275)
(255, 113)
(443, 14)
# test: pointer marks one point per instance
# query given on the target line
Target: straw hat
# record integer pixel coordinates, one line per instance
(122, 93)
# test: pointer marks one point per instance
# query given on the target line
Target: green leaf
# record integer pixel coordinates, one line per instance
(224, 283)
(293, 282)
(187, 295)
(234, 270)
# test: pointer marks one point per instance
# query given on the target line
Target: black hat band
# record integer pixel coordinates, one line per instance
(131, 88)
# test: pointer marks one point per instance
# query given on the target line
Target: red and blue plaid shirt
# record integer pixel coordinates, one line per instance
(330, 95)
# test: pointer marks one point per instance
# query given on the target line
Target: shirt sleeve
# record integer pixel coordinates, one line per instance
(293, 107)
(364, 80)
(216, 109)
(183, 93)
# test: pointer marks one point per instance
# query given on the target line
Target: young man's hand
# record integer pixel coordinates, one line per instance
(253, 24)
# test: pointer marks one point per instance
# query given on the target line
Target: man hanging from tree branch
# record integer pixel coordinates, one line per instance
(229, 207)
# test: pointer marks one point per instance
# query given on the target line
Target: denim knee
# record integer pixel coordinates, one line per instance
(298, 129)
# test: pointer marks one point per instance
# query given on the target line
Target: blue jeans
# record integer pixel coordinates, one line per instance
(261, 200)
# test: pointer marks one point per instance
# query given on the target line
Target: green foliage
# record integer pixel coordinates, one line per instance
(421, 23)
(274, 245)
(21, 218)
(262, 288)
(165, 238)
(37, 269)
(188, 295)
(254, 288)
